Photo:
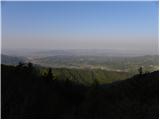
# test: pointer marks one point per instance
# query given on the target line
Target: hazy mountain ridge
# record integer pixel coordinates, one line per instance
(74, 52)
(11, 60)
(75, 59)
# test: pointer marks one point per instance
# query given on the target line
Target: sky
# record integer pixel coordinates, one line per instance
(80, 25)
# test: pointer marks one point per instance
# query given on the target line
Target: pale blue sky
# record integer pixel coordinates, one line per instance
(80, 25)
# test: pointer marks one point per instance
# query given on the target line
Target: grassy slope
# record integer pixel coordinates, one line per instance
(87, 76)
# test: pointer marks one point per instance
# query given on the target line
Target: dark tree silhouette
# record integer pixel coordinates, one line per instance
(30, 65)
(95, 83)
(20, 64)
(30, 68)
(49, 75)
(140, 70)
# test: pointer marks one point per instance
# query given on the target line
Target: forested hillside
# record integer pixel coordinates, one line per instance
(26, 93)
(86, 76)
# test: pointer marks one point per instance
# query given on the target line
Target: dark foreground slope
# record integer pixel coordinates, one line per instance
(27, 94)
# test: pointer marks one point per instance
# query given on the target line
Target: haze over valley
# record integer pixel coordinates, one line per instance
(102, 59)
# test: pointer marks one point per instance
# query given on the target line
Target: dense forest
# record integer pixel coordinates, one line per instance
(27, 93)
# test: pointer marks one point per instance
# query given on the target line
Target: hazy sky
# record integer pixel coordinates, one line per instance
(81, 25)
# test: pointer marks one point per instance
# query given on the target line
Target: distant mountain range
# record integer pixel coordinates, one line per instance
(106, 59)
(74, 52)
(11, 60)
